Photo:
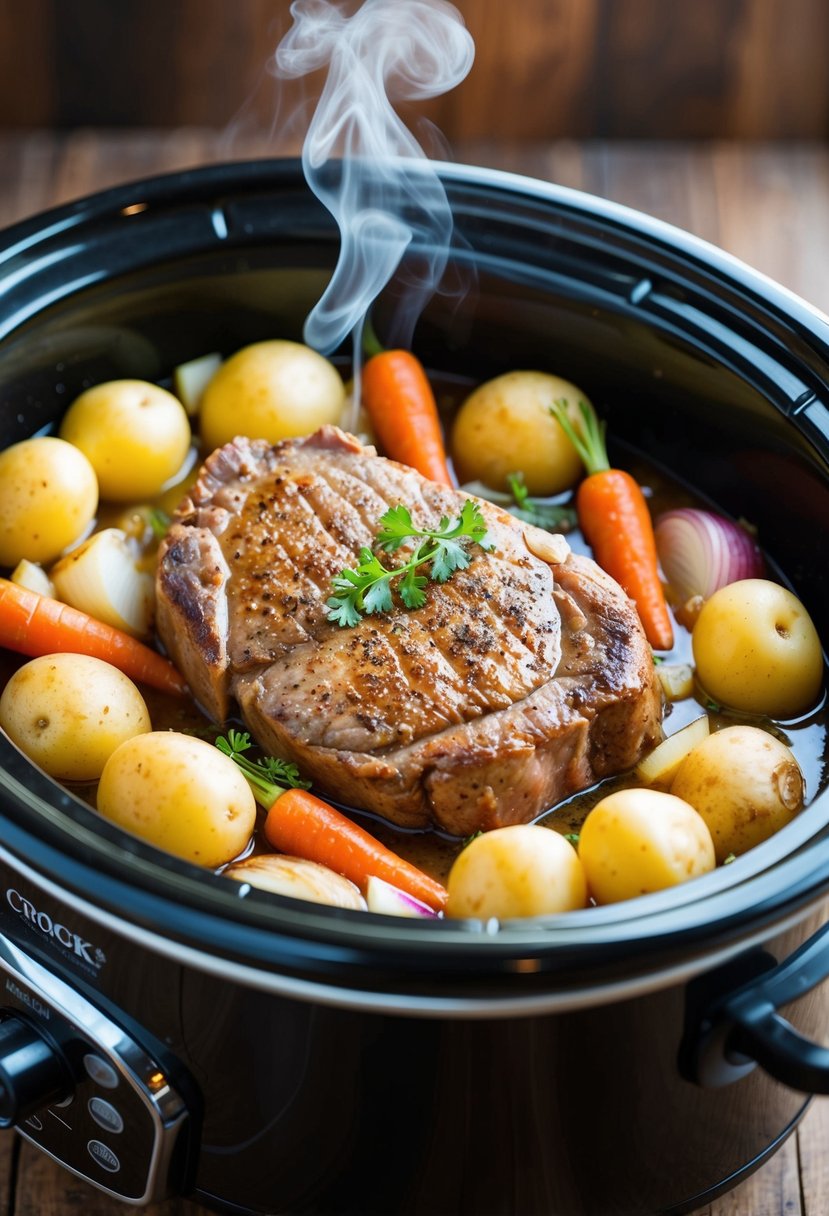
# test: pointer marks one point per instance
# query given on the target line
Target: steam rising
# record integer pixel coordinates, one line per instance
(359, 157)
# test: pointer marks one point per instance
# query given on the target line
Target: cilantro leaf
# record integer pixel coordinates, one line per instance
(450, 556)
(377, 596)
(368, 587)
(342, 610)
(395, 527)
(412, 589)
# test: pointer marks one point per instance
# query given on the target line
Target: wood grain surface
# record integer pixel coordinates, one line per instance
(767, 204)
(544, 69)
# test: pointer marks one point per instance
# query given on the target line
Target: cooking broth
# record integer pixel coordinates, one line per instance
(434, 851)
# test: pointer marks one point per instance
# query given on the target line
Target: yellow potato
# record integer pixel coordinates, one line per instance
(745, 784)
(181, 795)
(637, 841)
(756, 649)
(135, 434)
(270, 390)
(69, 712)
(48, 499)
(516, 871)
(505, 426)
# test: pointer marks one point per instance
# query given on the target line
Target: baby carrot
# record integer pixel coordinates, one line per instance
(303, 825)
(616, 523)
(403, 411)
(35, 625)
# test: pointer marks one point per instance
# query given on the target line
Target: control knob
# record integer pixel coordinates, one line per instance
(33, 1072)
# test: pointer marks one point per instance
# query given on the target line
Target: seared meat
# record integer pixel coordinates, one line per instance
(516, 684)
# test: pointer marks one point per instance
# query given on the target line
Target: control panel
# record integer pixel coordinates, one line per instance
(79, 1087)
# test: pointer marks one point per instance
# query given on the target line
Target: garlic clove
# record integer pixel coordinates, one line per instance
(550, 547)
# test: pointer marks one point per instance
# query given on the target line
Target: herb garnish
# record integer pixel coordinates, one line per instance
(159, 522)
(535, 511)
(368, 587)
(268, 778)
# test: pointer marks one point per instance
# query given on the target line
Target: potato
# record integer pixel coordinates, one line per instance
(69, 712)
(637, 841)
(745, 784)
(505, 426)
(135, 434)
(522, 870)
(270, 390)
(179, 794)
(48, 499)
(756, 649)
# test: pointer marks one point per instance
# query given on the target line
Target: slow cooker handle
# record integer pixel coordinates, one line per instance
(745, 1029)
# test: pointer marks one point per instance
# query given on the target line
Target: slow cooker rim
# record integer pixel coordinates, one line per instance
(24, 234)
(774, 901)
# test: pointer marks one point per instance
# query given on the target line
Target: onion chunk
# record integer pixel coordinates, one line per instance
(700, 552)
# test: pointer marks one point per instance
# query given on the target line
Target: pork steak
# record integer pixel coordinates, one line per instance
(520, 681)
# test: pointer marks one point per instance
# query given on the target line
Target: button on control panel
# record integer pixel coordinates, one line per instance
(100, 1071)
(106, 1115)
(109, 1112)
(104, 1156)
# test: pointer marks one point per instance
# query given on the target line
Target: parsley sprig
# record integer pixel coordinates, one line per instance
(269, 777)
(368, 587)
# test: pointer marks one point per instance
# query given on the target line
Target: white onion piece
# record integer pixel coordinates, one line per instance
(382, 897)
(701, 552)
(297, 878)
(100, 577)
(33, 577)
(192, 378)
(660, 766)
(677, 680)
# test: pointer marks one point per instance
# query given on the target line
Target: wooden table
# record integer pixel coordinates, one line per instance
(767, 204)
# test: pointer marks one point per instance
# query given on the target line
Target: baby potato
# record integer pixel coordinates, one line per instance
(180, 794)
(637, 841)
(505, 426)
(69, 712)
(521, 870)
(745, 784)
(135, 434)
(48, 498)
(271, 390)
(756, 649)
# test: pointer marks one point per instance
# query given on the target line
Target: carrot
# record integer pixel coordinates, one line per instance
(616, 523)
(303, 825)
(403, 411)
(35, 625)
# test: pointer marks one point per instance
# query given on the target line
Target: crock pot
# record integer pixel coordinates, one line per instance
(167, 1031)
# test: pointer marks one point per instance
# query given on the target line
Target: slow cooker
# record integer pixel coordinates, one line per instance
(166, 1031)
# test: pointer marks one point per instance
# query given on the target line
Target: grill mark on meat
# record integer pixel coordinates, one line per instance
(477, 709)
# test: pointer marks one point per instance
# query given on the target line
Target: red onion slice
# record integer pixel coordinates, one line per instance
(701, 552)
(382, 897)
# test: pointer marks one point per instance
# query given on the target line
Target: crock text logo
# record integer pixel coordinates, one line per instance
(42, 921)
